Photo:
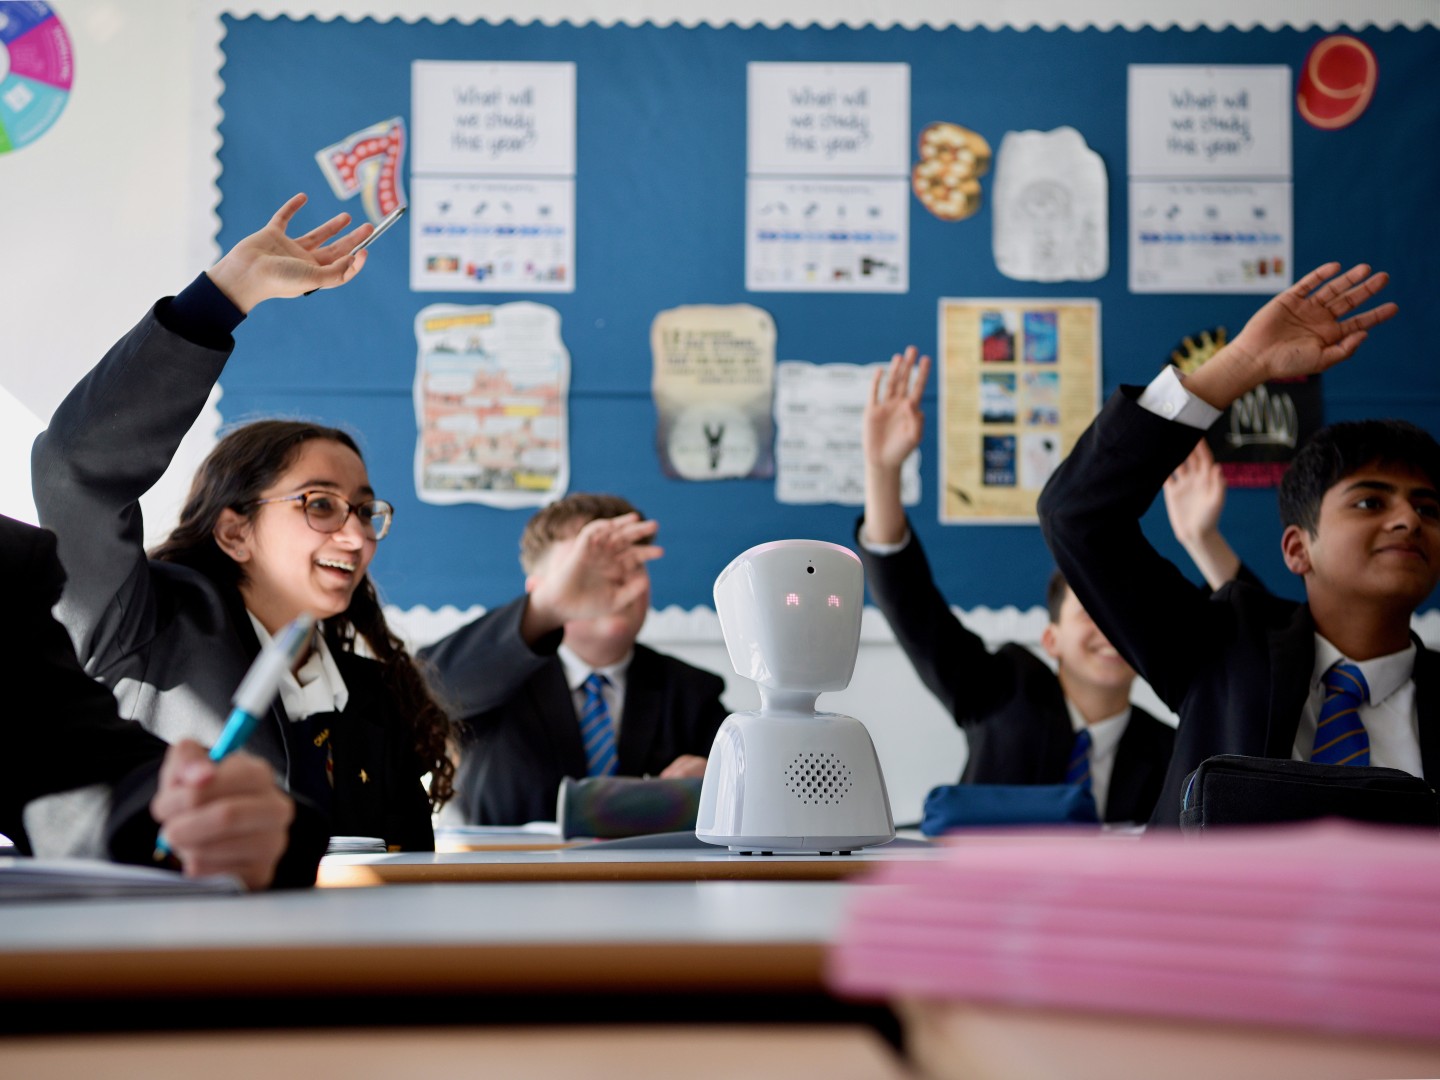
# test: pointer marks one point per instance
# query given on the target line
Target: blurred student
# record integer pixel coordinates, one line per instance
(1024, 723)
(281, 519)
(225, 818)
(1338, 679)
(554, 683)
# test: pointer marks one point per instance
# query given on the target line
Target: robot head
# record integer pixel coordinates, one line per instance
(790, 613)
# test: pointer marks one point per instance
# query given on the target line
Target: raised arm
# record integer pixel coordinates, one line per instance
(116, 432)
(601, 573)
(892, 426)
(1194, 499)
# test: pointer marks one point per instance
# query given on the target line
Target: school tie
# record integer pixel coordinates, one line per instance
(597, 730)
(1340, 737)
(1078, 771)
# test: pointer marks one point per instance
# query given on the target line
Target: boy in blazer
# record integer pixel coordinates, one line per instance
(1024, 723)
(1249, 673)
(517, 677)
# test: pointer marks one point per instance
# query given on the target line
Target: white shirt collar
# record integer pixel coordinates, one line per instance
(577, 670)
(317, 687)
(1383, 674)
(1104, 734)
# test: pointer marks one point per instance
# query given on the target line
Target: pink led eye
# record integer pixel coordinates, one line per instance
(792, 600)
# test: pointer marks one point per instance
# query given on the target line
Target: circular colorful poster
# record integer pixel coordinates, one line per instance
(37, 66)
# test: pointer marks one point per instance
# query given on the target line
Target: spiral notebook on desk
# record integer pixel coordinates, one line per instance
(24, 880)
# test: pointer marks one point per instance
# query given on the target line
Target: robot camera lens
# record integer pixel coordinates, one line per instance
(809, 569)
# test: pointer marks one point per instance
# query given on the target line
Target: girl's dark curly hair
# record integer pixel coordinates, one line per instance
(236, 473)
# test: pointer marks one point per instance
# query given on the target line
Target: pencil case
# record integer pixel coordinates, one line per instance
(1235, 789)
(606, 807)
(958, 806)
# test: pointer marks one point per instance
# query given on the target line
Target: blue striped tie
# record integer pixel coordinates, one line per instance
(597, 731)
(1340, 737)
(1078, 771)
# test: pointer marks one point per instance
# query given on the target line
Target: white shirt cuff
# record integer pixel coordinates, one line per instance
(1166, 396)
(883, 549)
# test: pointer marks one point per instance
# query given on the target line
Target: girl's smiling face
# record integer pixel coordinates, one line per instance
(287, 566)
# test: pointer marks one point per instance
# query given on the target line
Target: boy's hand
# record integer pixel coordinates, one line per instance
(686, 765)
(225, 817)
(1302, 331)
(600, 572)
(269, 264)
(893, 422)
(1195, 496)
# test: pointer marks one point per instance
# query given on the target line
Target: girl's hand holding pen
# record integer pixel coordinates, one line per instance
(222, 817)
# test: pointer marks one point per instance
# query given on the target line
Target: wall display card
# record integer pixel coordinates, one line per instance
(1210, 237)
(827, 236)
(714, 369)
(490, 405)
(472, 117)
(1209, 154)
(1019, 383)
(368, 163)
(493, 176)
(493, 235)
(829, 119)
(827, 202)
(1187, 120)
(1051, 220)
(818, 456)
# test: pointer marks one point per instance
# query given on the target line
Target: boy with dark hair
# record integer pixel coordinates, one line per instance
(554, 683)
(1337, 679)
(1024, 723)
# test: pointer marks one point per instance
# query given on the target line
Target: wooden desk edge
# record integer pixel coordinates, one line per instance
(751, 868)
(413, 969)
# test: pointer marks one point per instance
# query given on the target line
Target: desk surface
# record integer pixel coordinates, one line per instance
(590, 863)
(657, 936)
(564, 1053)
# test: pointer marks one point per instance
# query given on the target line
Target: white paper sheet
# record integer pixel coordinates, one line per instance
(1210, 237)
(1051, 219)
(827, 236)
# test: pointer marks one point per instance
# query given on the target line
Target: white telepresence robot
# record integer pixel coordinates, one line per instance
(785, 777)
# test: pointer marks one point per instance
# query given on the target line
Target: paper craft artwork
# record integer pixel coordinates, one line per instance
(1050, 222)
(490, 405)
(367, 163)
(946, 179)
(714, 370)
(818, 456)
(1337, 82)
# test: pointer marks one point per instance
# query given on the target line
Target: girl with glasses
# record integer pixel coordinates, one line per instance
(280, 520)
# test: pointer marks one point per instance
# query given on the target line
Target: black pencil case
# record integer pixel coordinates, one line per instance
(1234, 789)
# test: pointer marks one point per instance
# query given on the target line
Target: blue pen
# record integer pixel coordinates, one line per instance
(257, 690)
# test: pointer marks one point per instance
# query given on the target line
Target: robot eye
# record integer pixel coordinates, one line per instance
(809, 569)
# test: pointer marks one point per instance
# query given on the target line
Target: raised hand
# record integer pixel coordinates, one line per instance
(226, 817)
(1195, 495)
(893, 422)
(1308, 327)
(599, 571)
(891, 427)
(1194, 498)
(269, 264)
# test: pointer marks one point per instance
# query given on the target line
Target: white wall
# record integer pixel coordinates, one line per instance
(114, 207)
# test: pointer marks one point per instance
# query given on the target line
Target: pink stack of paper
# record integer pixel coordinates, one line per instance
(1330, 926)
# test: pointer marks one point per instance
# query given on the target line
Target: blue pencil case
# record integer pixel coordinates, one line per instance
(959, 806)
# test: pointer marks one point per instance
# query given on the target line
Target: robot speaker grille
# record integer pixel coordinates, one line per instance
(818, 779)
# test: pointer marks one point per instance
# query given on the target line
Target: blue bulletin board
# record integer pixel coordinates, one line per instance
(660, 222)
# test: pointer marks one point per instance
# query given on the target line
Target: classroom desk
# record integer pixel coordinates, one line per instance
(565, 1053)
(591, 863)
(428, 939)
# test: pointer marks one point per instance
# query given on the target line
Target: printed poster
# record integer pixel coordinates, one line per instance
(1210, 179)
(491, 386)
(494, 177)
(1019, 383)
(818, 454)
(828, 178)
(713, 379)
